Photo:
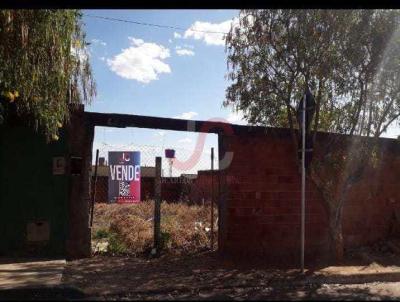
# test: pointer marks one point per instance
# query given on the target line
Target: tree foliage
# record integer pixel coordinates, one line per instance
(350, 59)
(44, 66)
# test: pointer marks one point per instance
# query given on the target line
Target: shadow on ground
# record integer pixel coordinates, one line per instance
(204, 277)
(42, 293)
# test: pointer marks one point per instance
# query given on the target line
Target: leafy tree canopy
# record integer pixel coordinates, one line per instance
(349, 58)
(44, 66)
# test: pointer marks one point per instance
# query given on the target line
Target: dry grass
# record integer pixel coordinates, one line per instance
(129, 227)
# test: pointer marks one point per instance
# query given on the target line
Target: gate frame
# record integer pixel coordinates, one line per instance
(81, 135)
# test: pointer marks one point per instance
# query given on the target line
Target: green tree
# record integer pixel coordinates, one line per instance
(44, 66)
(349, 59)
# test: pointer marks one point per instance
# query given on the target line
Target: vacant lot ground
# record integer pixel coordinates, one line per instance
(127, 229)
(203, 276)
(187, 270)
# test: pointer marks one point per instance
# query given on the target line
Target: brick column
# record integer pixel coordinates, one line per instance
(80, 139)
(222, 200)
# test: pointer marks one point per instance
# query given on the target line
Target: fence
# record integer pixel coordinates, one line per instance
(190, 181)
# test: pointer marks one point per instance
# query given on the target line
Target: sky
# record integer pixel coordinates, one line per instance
(165, 72)
(161, 72)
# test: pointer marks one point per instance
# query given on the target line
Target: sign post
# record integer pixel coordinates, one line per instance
(303, 181)
(124, 176)
(305, 115)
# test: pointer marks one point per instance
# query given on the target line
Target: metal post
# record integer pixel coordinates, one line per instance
(157, 206)
(94, 187)
(303, 182)
(212, 198)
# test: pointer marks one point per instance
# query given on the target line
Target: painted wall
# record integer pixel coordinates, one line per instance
(30, 192)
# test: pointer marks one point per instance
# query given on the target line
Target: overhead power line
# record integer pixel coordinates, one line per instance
(152, 24)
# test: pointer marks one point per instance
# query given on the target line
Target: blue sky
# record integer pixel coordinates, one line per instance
(158, 72)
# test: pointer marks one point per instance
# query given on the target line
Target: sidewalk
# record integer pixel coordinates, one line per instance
(29, 273)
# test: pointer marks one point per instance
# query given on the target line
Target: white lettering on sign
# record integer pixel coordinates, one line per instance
(125, 172)
(118, 167)
(112, 171)
(137, 172)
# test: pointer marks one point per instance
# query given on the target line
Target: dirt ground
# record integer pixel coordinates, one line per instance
(372, 275)
(368, 273)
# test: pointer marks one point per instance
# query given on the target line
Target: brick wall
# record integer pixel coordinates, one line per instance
(201, 188)
(261, 203)
(101, 189)
(172, 188)
(80, 136)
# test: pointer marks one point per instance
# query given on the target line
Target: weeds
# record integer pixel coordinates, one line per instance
(101, 234)
(116, 245)
(128, 228)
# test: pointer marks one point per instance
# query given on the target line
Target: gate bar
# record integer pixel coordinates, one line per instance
(94, 187)
(157, 207)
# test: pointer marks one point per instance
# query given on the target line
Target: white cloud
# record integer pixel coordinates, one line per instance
(213, 33)
(102, 58)
(99, 42)
(185, 140)
(198, 28)
(142, 61)
(187, 115)
(184, 52)
(177, 35)
(236, 118)
(170, 40)
(188, 46)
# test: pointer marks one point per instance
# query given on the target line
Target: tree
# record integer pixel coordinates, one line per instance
(349, 59)
(44, 66)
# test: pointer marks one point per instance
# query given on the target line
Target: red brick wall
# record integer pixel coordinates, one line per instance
(368, 214)
(263, 201)
(146, 188)
(201, 188)
(101, 189)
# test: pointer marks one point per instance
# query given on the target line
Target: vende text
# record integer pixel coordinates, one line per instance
(125, 172)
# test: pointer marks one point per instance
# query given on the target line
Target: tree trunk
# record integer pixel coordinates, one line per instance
(335, 224)
(337, 245)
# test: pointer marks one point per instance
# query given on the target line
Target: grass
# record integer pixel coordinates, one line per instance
(128, 228)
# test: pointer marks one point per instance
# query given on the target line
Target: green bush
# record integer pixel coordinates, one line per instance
(115, 245)
(101, 234)
(165, 240)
